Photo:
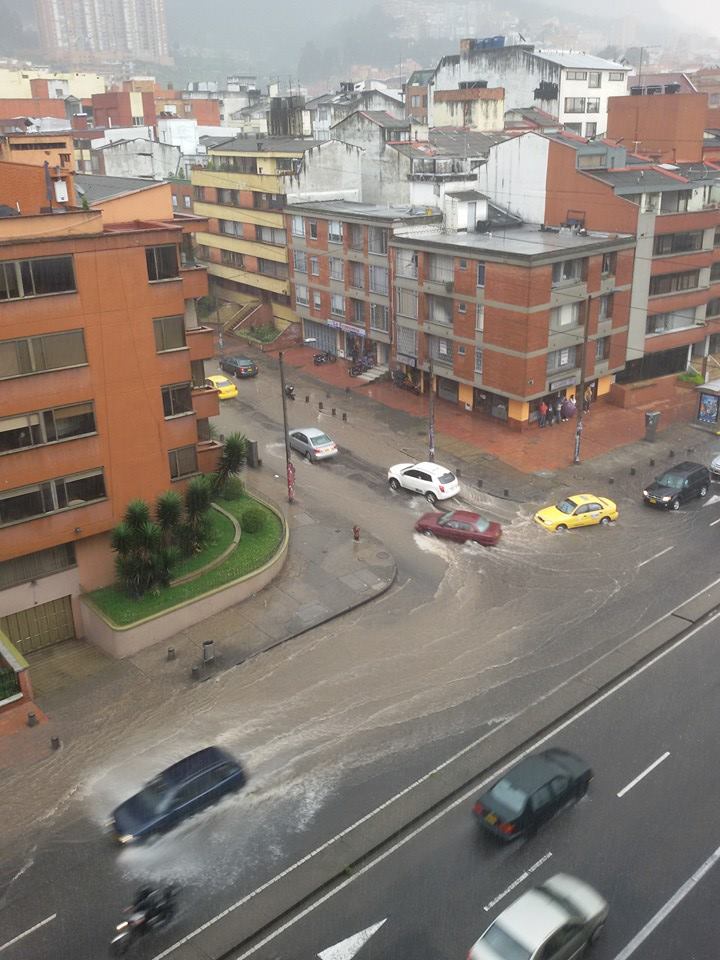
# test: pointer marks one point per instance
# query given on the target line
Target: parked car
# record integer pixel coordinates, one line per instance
(432, 480)
(226, 388)
(557, 920)
(177, 793)
(312, 443)
(461, 526)
(678, 484)
(240, 366)
(715, 468)
(532, 792)
(579, 510)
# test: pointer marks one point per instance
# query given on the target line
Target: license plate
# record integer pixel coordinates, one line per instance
(652, 500)
(491, 819)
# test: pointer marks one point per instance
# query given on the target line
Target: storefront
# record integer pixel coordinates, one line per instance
(708, 410)
(325, 336)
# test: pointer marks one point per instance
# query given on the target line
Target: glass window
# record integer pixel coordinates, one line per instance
(577, 74)
(317, 301)
(315, 266)
(356, 236)
(716, 238)
(574, 104)
(606, 307)
(507, 795)
(177, 399)
(407, 263)
(197, 372)
(63, 423)
(406, 341)
(593, 104)
(313, 229)
(407, 303)
(677, 242)
(22, 504)
(20, 432)
(568, 271)
(674, 320)
(481, 274)
(297, 226)
(558, 359)
(301, 294)
(337, 305)
(379, 280)
(440, 269)
(183, 462)
(674, 282)
(74, 491)
(478, 360)
(335, 231)
(32, 566)
(36, 278)
(379, 318)
(169, 333)
(609, 264)
(713, 307)
(187, 202)
(479, 317)
(568, 315)
(50, 496)
(377, 240)
(336, 269)
(594, 78)
(299, 261)
(616, 75)
(602, 348)
(357, 275)
(162, 262)
(37, 354)
(357, 312)
(715, 272)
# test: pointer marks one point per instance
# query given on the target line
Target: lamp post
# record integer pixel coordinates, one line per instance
(290, 467)
(580, 399)
(431, 416)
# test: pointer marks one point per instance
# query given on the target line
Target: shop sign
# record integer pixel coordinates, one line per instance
(565, 382)
(347, 328)
(404, 358)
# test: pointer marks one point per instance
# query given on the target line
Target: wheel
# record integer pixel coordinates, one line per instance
(428, 533)
(581, 790)
(604, 521)
(703, 490)
(561, 528)
(394, 484)
(238, 375)
(308, 456)
(675, 505)
(431, 498)
(596, 934)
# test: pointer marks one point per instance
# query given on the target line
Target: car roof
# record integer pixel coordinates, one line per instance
(533, 771)
(309, 431)
(219, 376)
(434, 468)
(583, 497)
(466, 515)
(532, 918)
(240, 359)
(195, 763)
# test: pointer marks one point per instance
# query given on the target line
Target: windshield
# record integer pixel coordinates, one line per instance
(503, 944)
(481, 525)
(320, 440)
(672, 480)
(508, 796)
(444, 519)
(222, 382)
(156, 795)
(446, 478)
(566, 506)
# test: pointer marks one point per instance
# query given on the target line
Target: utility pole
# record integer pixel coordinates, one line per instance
(288, 462)
(431, 416)
(580, 398)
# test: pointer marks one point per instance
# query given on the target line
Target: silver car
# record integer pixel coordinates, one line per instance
(312, 443)
(558, 920)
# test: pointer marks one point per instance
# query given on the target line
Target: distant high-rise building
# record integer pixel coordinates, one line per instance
(88, 28)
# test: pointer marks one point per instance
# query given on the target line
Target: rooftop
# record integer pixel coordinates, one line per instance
(657, 177)
(449, 142)
(96, 188)
(577, 60)
(252, 143)
(384, 119)
(661, 80)
(420, 78)
(366, 211)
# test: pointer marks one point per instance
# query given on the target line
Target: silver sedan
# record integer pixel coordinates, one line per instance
(312, 443)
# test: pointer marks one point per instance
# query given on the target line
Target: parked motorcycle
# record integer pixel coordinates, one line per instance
(152, 910)
(289, 391)
(405, 382)
(360, 366)
(324, 357)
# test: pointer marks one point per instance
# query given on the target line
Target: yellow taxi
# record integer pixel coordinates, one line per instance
(226, 388)
(579, 510)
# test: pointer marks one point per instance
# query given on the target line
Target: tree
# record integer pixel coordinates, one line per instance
(143, 563)
(198, 497)
(169, 512)
(231, 461)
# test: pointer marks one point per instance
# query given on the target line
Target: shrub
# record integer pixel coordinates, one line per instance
(253, 520)
(194, 532)
(231, 460)
(168, 512)
(234, 489)
(143, 562)
(691, 377)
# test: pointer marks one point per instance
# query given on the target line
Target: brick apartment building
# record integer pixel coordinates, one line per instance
(340, 273)
(103, 395)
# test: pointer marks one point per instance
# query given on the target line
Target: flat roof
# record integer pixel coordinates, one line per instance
(523, 242)
(578, 60)
(253, 143)
(96, 188)
(366, 211)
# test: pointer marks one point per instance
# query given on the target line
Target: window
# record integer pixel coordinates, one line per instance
(169, 333)
(25, 503)
(199, 193)
(271, 268)
(479, 317)
(674, 201)
(462, 307)
(36, 278)
(33, 566)
(440, 310)
(299, 261)
(713, 307)
(46, 426)
(715, 272)
(577, 75)
(335, 231)
(271, 235)
(461, 350)
(406, 341)
(568, 271)
(337, 305)
(183, 462)
(602, 348)
(356, 236)
(574, 128)
(357, 312)
(463, 264)
(593, 104)
(228, 198)
(187, 202)
(176, 399)
(297, 226)
(407, 303)
(336, 269)
(574, 104)
(606, 307)
(677, 243)
(232, 228)
(162, 262)
(377, 240)
(568, 315)
(357, 275)
(379, 317)
(441, 269)
(674, 282)
(379, 280)
(716, 238)
(441, 350)
(312, 229)
(560, 359)
(415, 101)
(594, 78)
(174, 200)
(478, 360)
(197, 372)
(481, 274)
(609, 264)
(232, 259)
(39, 354)
(301, 294)
(407, 263)
(317, 301)
(616, 75)
(674, 320)
(315, 266)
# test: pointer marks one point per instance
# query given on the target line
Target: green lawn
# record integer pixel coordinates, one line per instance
(221, 535)
(253, 550)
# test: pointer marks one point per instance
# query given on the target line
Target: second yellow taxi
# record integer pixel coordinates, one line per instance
(226, 388)
(579, 510)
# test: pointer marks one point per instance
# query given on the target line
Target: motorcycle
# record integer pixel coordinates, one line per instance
(289, 391)
(141, 920)
(360, 366)
(324, 357)
(405, 382)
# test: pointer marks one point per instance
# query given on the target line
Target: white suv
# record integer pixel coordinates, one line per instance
(432, 480)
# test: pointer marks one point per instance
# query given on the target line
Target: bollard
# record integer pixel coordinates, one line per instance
(506, 493)
(171, 653)
(334, 412)
(356, 533)
(611, 480)
(32, 720)
(458, 472)
(320, 405)
(690, 450)
(345, 417)
(652, 462)
(208, 649)
(195, 673)
(671, 454)
(632, 471)
(347, 391)
(55, 743)
(307, 398)
(479, 483)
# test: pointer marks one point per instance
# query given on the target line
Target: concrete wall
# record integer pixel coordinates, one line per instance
(515, 176)
(473, 109)
(384, 169)
(332, 170)
(137, 158)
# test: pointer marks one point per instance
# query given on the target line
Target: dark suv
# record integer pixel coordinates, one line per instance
(678, 484)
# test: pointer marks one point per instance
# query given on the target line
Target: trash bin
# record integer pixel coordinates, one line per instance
(253, 457)
(652, 418)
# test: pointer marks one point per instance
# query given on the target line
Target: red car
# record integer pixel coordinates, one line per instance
(460, 525)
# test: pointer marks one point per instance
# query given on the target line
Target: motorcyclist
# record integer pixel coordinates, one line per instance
(153, 902)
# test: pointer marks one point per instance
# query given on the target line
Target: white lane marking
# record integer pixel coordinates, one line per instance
(667, 909)
(655, 556)
(517, 881)
(715, 521)
(346, 949)
(641, 776)
(27, 932)
(476, 789)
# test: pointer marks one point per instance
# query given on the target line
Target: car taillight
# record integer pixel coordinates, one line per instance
(478, 808)
(317, 449)
(506, 828)
(442, 488)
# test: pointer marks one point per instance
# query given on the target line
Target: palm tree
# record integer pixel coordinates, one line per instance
(198, 497)
(231, 460)
(168, 512)
(142, 561)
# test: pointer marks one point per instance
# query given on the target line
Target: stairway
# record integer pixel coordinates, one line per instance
(373, 373)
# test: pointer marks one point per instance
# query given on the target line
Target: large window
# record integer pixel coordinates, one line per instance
(336, 268)
(337, 305)
(616, 75)
(574, 104)
(566, 316)
(674, 320)
(162, 262)
(674, 201)
(377, 240)
(713, 307)
(407, 303)
(32, 566)
(46, 426)
(271, 268)
(674, 282)
(36, 278)
(440, 310)
(177, 399)
(594, 78)
(561, 359)
(677, 242)
(297, 226)
(379, 319)
(406, 341)
(230, 258)
(169, 333)
(568, 271)
(715, 272)
(301, 294)
(593, 104)
(299, 261)
(39, 354)
(232, 228)
(356, 236)
(36, 500)
(335, 231)
(440, 269)
(183, 462)
(230, 198)
(357, 312)
(379, 280)
(357, 275)
(407, 263)
(441, 350)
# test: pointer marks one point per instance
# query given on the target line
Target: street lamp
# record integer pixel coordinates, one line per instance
(290, 467)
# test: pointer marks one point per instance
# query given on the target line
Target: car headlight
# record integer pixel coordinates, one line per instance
(645, 493)
(665, 499)
(547, 522)
(126, 838)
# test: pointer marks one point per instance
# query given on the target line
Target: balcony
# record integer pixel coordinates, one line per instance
(208, 454)
(195, 282)
(205, 402)
(201, 343)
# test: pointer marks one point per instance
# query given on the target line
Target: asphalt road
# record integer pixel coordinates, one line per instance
(333, 725)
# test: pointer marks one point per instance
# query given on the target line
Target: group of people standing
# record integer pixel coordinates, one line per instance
(561, 409)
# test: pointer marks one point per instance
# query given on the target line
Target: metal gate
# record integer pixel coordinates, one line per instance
(325, 336)
(40, 626)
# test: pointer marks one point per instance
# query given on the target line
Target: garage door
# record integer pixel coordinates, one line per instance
(326, 337)
(40, 626)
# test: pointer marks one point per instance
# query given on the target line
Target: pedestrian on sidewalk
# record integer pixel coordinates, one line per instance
(587, 399)
(568, 409)
(558, 410)
(550, 418)
(542, 413)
